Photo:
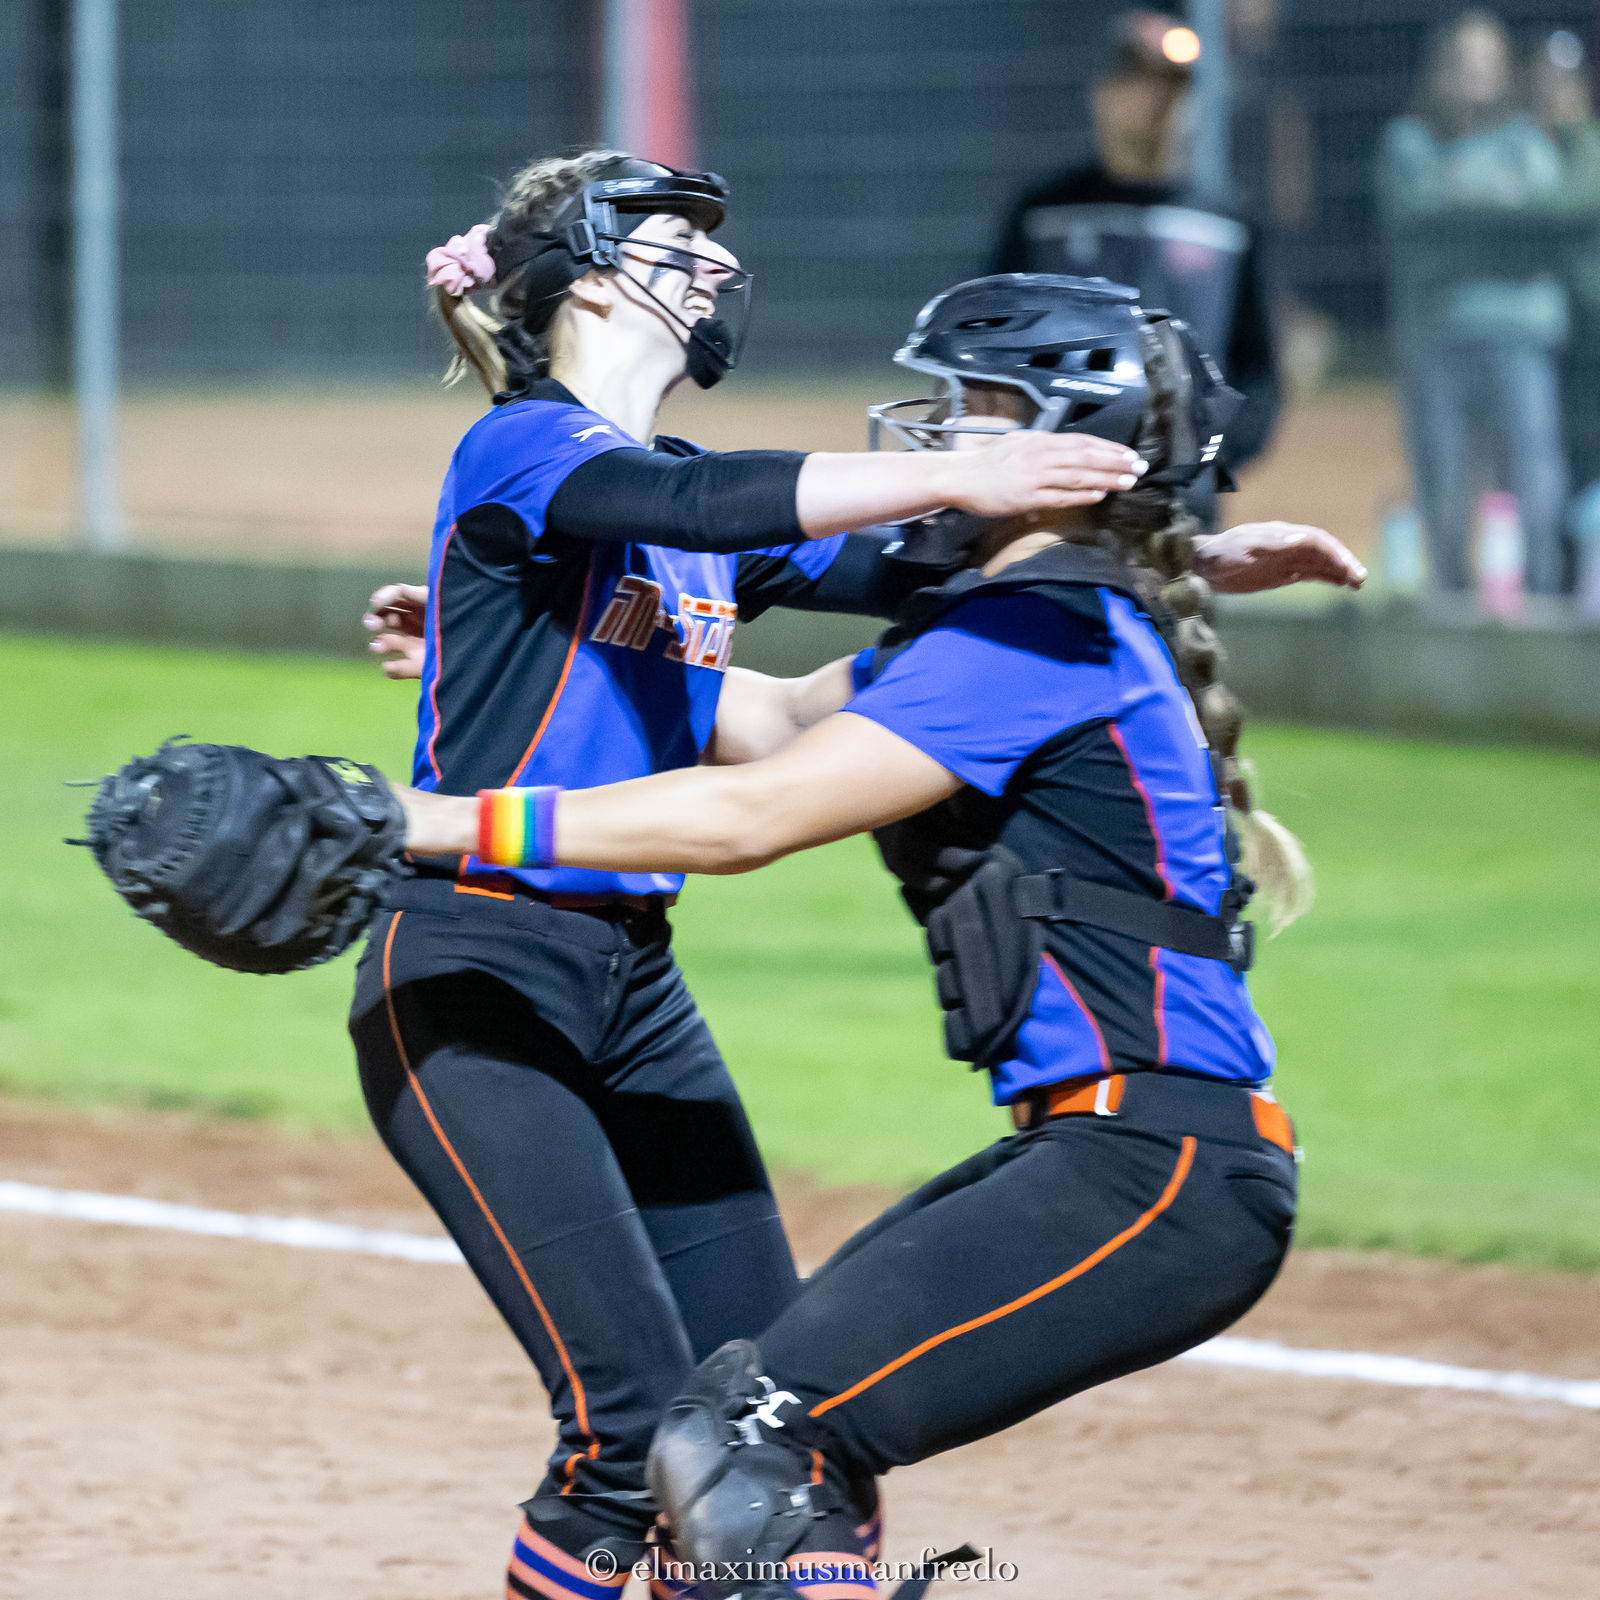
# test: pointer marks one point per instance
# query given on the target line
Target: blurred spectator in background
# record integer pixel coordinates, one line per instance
(1563, 103)
(1469, 184)
(1133, 215)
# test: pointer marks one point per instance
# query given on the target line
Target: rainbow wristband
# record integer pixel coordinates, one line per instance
(517, 827)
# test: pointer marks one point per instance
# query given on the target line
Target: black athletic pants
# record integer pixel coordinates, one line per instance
(545, 1079)
(1054, 1260)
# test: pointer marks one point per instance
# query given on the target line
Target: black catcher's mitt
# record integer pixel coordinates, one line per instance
(255, 863)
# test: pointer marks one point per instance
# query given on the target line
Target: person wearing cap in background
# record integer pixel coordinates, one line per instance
(1134, 215)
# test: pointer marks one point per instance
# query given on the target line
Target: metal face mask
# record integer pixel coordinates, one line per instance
(598, 235)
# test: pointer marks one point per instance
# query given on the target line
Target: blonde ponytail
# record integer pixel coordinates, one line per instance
(1270, 854)
(500, 344)
(473, 332)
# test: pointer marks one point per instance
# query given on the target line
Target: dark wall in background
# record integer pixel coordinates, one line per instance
(873, 145)
(286, 166)
(32, 295)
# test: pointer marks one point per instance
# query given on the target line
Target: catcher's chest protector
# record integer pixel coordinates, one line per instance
(987, 916)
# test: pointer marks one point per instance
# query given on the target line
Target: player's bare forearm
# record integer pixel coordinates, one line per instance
(758, 715)
(846, 775)
(1021, 472)
(1271, 555)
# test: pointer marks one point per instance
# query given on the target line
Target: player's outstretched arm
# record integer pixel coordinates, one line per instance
(1271, 555)
(758, 715)
(1023, 471)
(846, 775)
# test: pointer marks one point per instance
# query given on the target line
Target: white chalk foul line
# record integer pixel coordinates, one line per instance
(306, 1233)
(303, 1233)
(1262, 1355)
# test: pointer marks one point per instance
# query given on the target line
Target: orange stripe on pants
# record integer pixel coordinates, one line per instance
(579, 1398)
(1179, 1174)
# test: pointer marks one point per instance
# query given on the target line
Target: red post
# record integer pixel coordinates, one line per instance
(649, 100)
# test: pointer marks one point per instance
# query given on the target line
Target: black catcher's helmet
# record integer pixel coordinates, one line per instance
(1076, 348)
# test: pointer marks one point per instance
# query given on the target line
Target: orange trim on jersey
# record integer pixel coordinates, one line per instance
(1066, 983)
(1179, 1174)
(1149, 810)
(579, 1399)
(561, 682)
(438, 654)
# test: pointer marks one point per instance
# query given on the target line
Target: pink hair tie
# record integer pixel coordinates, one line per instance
(462, 265)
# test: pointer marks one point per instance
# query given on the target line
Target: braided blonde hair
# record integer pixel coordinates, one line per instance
(1151, 530)
(495, 343)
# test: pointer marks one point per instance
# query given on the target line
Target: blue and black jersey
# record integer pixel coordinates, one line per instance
(560, 650)
(1081, 751)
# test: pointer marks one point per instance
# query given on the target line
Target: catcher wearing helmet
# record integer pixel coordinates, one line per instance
(1046, 755)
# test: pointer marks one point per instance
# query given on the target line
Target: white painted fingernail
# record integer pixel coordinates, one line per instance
(1127, 481)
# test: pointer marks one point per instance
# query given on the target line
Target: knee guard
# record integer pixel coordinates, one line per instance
(729, 1491)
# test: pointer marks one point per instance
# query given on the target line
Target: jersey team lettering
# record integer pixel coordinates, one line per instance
(702, 630)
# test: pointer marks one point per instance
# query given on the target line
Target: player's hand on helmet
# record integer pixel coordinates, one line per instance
(1270, 555)
(1025, 471)
(397, 614)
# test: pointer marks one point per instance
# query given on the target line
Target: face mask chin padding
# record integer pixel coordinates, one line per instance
(711, 351)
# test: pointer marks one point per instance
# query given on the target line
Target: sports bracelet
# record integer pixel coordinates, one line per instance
(517, 827)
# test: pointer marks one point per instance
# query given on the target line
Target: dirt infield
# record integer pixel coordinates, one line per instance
(188, 1417)
(349, 473)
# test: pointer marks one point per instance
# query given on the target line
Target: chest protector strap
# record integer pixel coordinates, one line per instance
(987, 934)
(1055, 897)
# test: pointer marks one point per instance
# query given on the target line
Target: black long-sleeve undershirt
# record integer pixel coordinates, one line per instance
(737, 502)
(720, 504)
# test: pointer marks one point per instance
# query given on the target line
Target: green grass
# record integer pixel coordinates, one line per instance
(1437, 1014)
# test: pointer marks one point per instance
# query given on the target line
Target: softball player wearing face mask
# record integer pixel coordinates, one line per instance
(527, 1047)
